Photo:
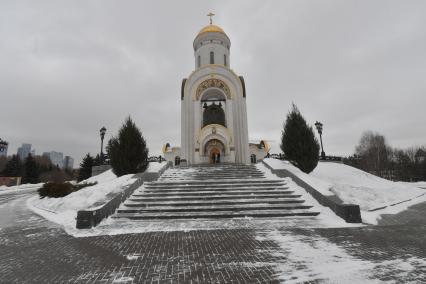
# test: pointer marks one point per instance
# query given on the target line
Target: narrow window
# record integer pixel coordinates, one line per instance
(211, 57)
(199, 61)
(224, 60)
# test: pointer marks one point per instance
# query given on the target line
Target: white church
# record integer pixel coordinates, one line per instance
(213, 108)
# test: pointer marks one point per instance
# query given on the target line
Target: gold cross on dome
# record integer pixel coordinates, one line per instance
(210, 15)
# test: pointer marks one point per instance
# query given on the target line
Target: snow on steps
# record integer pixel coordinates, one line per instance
(213, 192)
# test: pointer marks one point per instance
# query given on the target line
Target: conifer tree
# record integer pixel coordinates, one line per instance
(85, 170)
(128, 153)
(31, 172)
(13, 167)
(298, 142)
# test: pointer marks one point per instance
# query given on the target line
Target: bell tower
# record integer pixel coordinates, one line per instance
(213, 104)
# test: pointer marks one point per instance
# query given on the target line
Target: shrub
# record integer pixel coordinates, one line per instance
(128, 153)
(57, 190)
(298, 142)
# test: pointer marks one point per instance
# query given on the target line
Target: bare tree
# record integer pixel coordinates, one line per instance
(374, 152)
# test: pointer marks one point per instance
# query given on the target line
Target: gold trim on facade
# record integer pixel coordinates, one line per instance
(212, 83)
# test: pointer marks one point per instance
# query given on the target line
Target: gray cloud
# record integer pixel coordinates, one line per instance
(69, 67)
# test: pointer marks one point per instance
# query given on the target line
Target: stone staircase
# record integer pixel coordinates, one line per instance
(214, 191)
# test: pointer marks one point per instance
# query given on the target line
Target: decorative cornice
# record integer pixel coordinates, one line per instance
(212, 83)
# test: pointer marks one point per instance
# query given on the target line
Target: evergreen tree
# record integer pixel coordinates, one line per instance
(31, 172)
(298, 142)
(128, 153)
(97, 160)
(85, 170)
(13, 167)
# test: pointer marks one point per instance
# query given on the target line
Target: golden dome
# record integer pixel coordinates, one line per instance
(211, 29)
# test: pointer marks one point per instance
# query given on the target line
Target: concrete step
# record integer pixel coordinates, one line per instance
(216, 215)
(212, 193)
(214, 182)
(211, 177)
(247, 202)
(256, 207)
(210, 189)
(217, 197)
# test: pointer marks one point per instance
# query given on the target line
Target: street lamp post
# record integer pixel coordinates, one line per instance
(319, 125)
(102, 132)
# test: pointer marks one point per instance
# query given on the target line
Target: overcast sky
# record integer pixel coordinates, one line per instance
(67, 68)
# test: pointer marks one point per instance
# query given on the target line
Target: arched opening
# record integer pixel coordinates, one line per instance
(253, 159)
(215, 150)
(177, 161)
(213, 114)
(211, 57)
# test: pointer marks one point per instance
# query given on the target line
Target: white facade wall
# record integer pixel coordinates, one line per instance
(235, 112)
(217, 43)
(194, 137)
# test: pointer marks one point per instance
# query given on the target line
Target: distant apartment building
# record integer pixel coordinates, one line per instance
(57, 158)
(68, 162)
(24, 151)
(3, 148)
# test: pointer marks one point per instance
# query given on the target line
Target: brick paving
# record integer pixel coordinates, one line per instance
(36, 251)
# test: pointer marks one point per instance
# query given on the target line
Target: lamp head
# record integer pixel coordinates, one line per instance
(102, 131)
(318, 125)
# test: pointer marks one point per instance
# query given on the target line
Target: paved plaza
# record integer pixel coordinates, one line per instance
(34, 250)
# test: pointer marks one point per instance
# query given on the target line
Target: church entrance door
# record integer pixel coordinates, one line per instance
(214, 156)
(214, 149)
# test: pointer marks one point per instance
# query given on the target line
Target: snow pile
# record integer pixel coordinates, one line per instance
(154, 167)
(322, 186)
(354, 186)
(28, 187)
(421, 184)
(358, 187)
(64, 210)
(101, 178)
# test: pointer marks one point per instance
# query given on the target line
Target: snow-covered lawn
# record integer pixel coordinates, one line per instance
(354, 186)
(358, 187)
(64, 210)
(421, 184)
(19, 188)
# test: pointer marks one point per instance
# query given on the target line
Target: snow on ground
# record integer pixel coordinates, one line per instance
(355, 186)
(64, 210)
(319, 184)
(358, 187)
(101, 178)
(19, 188)
(155, 167)
(421, 184)
(309, 258)
(111, 226)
